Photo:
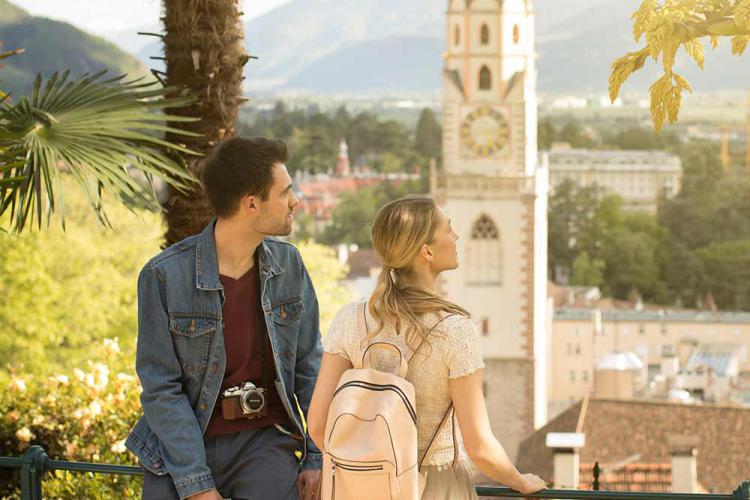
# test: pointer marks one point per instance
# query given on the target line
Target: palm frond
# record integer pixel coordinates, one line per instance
(96, 130)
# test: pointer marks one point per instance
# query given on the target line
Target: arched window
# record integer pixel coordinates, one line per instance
(516, 33)
(485, 78)
(484, 35)
(457, 35)
(484, 254)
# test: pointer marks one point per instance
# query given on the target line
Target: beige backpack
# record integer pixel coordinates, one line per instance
(370, 444)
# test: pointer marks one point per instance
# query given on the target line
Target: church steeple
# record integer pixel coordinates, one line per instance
(490, 86)
(494, 190)
(343, 168)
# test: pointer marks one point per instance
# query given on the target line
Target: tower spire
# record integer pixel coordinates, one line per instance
(343, 168)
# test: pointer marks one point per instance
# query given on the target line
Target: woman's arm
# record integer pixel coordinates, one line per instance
(331, 368)
(481, 445)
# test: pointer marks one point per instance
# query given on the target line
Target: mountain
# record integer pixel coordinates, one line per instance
(298, 35)
(371, 47)
(305, 46)
(394, 65)
(54, 46)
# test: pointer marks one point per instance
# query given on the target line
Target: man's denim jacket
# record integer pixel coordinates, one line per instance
(180, 357)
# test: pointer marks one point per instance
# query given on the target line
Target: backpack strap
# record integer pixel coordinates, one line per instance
(452, 414)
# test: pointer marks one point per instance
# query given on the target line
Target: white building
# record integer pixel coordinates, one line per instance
(641, 178)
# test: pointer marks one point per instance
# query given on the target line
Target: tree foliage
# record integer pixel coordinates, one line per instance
(314, 137)
(667, 26)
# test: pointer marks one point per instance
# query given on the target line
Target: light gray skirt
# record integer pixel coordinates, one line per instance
(449, 483)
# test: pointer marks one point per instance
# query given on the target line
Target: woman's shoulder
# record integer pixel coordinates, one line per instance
(347, 314)
(451, 323)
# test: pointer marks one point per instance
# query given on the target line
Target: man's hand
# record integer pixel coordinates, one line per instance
(307, 483)
(206, 495)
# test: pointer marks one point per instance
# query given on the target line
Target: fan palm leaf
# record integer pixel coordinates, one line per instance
(96, 130)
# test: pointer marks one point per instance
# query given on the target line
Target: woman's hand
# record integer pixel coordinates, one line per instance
(531, 484)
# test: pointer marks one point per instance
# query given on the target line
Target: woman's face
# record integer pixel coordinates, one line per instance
(443, 245)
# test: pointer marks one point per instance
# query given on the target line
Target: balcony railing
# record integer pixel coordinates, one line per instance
(34, 463)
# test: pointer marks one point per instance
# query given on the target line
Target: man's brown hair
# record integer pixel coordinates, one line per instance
(240, 166)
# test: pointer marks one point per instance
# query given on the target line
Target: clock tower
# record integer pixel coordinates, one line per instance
(494, 189)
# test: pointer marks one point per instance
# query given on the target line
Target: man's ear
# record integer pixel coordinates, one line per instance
(250, 203)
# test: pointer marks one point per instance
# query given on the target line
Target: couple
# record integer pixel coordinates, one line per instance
(229, 349)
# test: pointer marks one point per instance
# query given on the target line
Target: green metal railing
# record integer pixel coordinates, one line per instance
(34, 463)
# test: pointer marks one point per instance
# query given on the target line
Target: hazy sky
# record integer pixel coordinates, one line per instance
(102, 17)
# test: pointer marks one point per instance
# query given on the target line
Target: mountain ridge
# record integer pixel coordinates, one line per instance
(52, 46)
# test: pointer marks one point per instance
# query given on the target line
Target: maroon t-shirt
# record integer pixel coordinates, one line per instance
(243, 324)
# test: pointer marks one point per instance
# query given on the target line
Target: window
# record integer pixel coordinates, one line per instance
(485, 78)
(578, 348)
(585, 375)
(457, 35)
(641, 329)
(663, 329)
(484, 254)
(485, 325)
(484, 35)
(516, 34)
(572, 375)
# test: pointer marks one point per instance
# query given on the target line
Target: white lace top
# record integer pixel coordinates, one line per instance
(453, 351)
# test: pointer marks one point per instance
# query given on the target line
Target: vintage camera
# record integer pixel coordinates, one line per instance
(245, 401)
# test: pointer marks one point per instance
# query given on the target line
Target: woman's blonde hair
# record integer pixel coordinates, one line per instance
(400, 230)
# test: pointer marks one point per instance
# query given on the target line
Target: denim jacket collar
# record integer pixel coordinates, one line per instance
(207, 263)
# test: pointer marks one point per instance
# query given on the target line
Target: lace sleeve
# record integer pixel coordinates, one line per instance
(335, 341)
(464, 355)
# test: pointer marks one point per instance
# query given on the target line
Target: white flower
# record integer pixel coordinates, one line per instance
(38, 420)
(95, 409)
(112, 345)
(62, 379)
(101, 376)
(24, 435)
(79, 374)
(118, 447)
(18, 384)
(125, 377)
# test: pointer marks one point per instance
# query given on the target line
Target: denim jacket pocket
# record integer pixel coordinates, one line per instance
(192, 335)
(287, 311)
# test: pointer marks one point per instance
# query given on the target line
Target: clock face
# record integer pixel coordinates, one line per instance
(485, 131)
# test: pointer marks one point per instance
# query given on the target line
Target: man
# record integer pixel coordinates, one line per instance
(228, 335)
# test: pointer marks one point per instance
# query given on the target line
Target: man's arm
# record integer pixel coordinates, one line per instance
(165, 405)
(309, 351)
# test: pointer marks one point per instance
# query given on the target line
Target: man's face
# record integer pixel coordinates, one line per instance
(276, 214)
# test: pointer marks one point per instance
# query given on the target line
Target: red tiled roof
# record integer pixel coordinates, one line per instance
(619, 429)
(652, 478)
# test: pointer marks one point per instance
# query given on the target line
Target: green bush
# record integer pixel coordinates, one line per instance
(84, 415)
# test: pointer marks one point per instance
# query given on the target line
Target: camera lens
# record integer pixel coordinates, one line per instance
(252, 401)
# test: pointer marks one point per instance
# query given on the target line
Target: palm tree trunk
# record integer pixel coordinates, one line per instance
(205, 54)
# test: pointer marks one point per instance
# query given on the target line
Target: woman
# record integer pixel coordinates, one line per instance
(415, 242)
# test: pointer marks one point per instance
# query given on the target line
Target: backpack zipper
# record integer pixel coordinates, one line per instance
(385, 387)
(357, 468)
(333, 480)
